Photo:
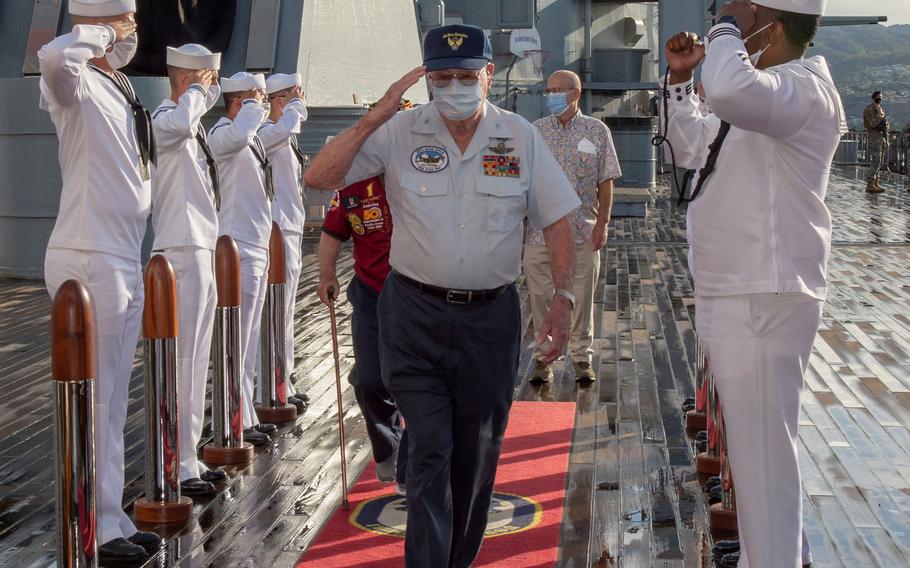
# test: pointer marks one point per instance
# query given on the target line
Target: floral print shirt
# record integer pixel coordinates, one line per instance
(584, 149)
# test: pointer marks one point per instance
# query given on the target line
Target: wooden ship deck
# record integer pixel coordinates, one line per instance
(633, 497)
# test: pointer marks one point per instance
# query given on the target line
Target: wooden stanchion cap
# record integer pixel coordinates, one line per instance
(159, 316)
(277, 268)
(227, 272)
(73, 355)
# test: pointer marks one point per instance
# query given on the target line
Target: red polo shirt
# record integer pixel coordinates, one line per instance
(361, 211)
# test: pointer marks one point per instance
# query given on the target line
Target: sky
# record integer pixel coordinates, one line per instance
(898, 11)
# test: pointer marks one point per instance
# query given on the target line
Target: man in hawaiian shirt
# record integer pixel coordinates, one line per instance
(584, 149)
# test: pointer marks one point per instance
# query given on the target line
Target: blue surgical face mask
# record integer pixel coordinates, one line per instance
(557, 103)
(457, 101)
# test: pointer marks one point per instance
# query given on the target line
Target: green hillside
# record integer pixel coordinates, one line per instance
(865, 59)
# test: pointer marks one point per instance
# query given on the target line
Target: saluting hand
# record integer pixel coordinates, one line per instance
(742, 10)
(387, 106)
(683, 55)
(123, 28)
(327, 290)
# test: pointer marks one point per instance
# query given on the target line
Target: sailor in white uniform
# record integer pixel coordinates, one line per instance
(247, 193)
(287, 111)
(105, 151)
(759, 236)
(184, 201)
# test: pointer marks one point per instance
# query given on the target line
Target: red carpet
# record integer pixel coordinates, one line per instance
(527, 504)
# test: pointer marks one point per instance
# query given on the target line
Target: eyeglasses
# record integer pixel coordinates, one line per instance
(443, 80)
(557, 90)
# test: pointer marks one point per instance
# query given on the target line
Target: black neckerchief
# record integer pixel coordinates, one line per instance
(210, 161)
(145, 136)
(263, 159)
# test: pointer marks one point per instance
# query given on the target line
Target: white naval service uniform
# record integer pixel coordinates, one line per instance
(759, 238)
(186, 230)
(245, 215)
(278, 138)
(104, 204)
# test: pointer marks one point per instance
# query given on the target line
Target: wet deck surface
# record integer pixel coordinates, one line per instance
(633, 498)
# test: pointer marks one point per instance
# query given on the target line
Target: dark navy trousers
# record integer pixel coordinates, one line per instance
(380, 412)
(451, 368)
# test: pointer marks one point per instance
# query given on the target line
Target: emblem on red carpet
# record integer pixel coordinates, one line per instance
(388, 514)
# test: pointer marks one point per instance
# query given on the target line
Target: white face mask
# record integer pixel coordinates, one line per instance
(457, 101)
(122, 52)
(756, 57)
(214, 91)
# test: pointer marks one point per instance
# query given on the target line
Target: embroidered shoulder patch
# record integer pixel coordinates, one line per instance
(430, 159)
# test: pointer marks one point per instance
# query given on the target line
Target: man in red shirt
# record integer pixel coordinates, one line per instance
(361, 212)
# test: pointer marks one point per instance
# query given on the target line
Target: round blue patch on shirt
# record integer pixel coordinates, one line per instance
(430, 159)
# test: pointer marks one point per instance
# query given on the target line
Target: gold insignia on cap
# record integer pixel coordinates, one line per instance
(455, 39)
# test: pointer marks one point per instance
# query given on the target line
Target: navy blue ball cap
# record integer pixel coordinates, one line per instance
(456, 47)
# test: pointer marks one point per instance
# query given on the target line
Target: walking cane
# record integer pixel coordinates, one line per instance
(344, 466)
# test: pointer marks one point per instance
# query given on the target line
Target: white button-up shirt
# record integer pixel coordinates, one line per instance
(458, 217)
(246, 212)
(760, 224)
(104, 202)
(287, 210)
(183, 211)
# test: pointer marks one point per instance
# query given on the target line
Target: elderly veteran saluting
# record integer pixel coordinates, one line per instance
(584, 149)
(185, 197)
(106, 150)
(287, 111)
(759, 236)
(449, 319)
(247, 193)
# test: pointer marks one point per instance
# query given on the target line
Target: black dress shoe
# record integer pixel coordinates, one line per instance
(689, 400)
(687, 407)
(121, 552)
(303, 396)
(196, 487)
(716, 494)
(213, 476)
(724, 547)
(711, 482)
(701, 446)
(702, 436)
(150, 541)
(298, 402)
(256, 437)
(266, 428)
(729, 560)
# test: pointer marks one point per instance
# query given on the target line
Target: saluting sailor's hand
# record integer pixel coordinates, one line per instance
(123, 28)
(555, 328)
(684, 53)
(327, 290)
(387, 106)
(742, 10)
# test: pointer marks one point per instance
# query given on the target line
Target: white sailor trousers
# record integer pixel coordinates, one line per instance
(254, 264)
(292, 242)
(115, 284)
(194, 269)
(759, 346)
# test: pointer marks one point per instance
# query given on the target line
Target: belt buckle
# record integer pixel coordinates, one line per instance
(459, 296)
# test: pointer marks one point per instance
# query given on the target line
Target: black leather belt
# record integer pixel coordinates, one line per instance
(454, 296)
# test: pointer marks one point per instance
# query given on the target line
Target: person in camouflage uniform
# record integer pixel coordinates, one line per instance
(876, 123)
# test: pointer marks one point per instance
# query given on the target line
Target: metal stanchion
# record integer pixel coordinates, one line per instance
(228, 446)
(73, 367)
(273, 375)
(344, 464)
(162, 503)
(708, 462)
(723, 515)
(696, 419)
